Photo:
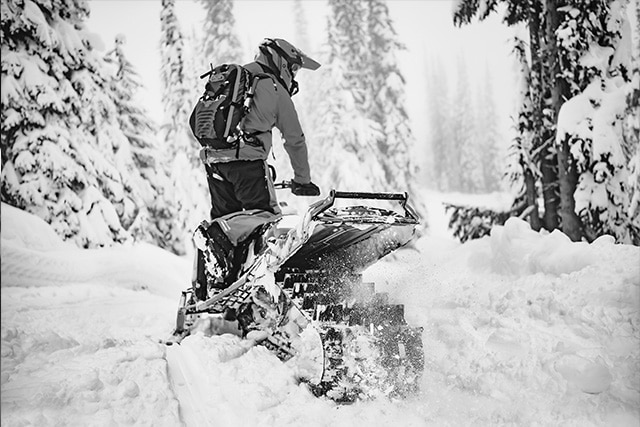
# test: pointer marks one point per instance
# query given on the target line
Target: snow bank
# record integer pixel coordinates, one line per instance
(33, 255)
(523, 328)
(28, 231)
(517, 249)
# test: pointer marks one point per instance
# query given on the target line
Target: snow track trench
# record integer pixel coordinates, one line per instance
(189, 385)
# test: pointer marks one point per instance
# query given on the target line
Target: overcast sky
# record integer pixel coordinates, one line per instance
(424, 26)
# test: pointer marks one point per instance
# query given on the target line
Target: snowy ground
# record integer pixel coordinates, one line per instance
(520, 328)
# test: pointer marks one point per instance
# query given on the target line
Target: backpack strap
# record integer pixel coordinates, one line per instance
(252, 89)
(250, 137)
(234, 97)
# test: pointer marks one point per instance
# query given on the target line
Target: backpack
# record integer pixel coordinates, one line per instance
(216, 118)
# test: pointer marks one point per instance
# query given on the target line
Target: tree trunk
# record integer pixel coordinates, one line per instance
(532, 200)
(571, 225)
(567, 173)
(549, 170)
(540, 82)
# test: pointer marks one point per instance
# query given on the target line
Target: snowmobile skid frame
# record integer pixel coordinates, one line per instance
(368, 349)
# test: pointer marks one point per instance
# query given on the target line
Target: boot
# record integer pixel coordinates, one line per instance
(218, 253)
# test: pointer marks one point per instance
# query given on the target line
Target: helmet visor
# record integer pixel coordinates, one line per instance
(308, 63)
(292, 54)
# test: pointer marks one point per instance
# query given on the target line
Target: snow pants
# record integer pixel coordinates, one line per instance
(241, 185)
(234, 187)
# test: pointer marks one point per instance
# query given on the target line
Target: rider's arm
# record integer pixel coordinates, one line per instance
(294, 141)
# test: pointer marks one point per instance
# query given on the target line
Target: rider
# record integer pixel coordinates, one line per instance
(240, 180)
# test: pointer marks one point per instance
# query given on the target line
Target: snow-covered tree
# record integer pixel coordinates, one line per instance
(491, 158)
(522, 171)
(596, 64)
(301, 24)
(62, 142)
(360, 136)
(386, 85)
(464, 159)
(631, 131)
(574, 45)
(438, 119)
(346, 136)
(308, 81)
(188, 179)
(155, 216)
(539, 115)
(463, 132)
(220, 42)
(177, 96)
(350, 44)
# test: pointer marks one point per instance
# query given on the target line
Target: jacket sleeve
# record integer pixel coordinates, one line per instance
(295, 144)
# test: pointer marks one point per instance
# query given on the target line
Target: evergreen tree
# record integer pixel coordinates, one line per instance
(350, 44)
(62, 144)
(544, 113)
(463, 137)
(148, 172)
(176, 93)
(386, 86)
(522, 171)
(487, 136)
(581, 182)
(220, 42)
(188, 180)
(438, 119)
(631, 132)
(193, 69)
(301, 24)
(540, 115)
(465, 165)
(561, 90)
(590, 123)
(342, 129)
(308, 81)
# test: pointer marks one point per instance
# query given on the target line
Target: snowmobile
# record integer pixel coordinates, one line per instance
(297, 289)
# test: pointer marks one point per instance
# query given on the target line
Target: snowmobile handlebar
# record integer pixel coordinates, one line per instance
(281, 184)
(370, 196)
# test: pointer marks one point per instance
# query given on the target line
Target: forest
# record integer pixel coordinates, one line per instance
(82, 153)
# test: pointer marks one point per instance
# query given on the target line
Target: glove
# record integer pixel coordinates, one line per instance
(309, 189)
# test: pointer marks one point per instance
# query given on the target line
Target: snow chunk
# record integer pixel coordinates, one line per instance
(589, 376)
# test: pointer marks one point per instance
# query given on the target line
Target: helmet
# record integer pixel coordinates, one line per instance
(284, 60)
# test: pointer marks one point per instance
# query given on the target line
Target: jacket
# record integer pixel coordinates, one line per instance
(271, 107)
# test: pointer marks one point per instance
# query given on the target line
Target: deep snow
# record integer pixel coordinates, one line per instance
(520, 328)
